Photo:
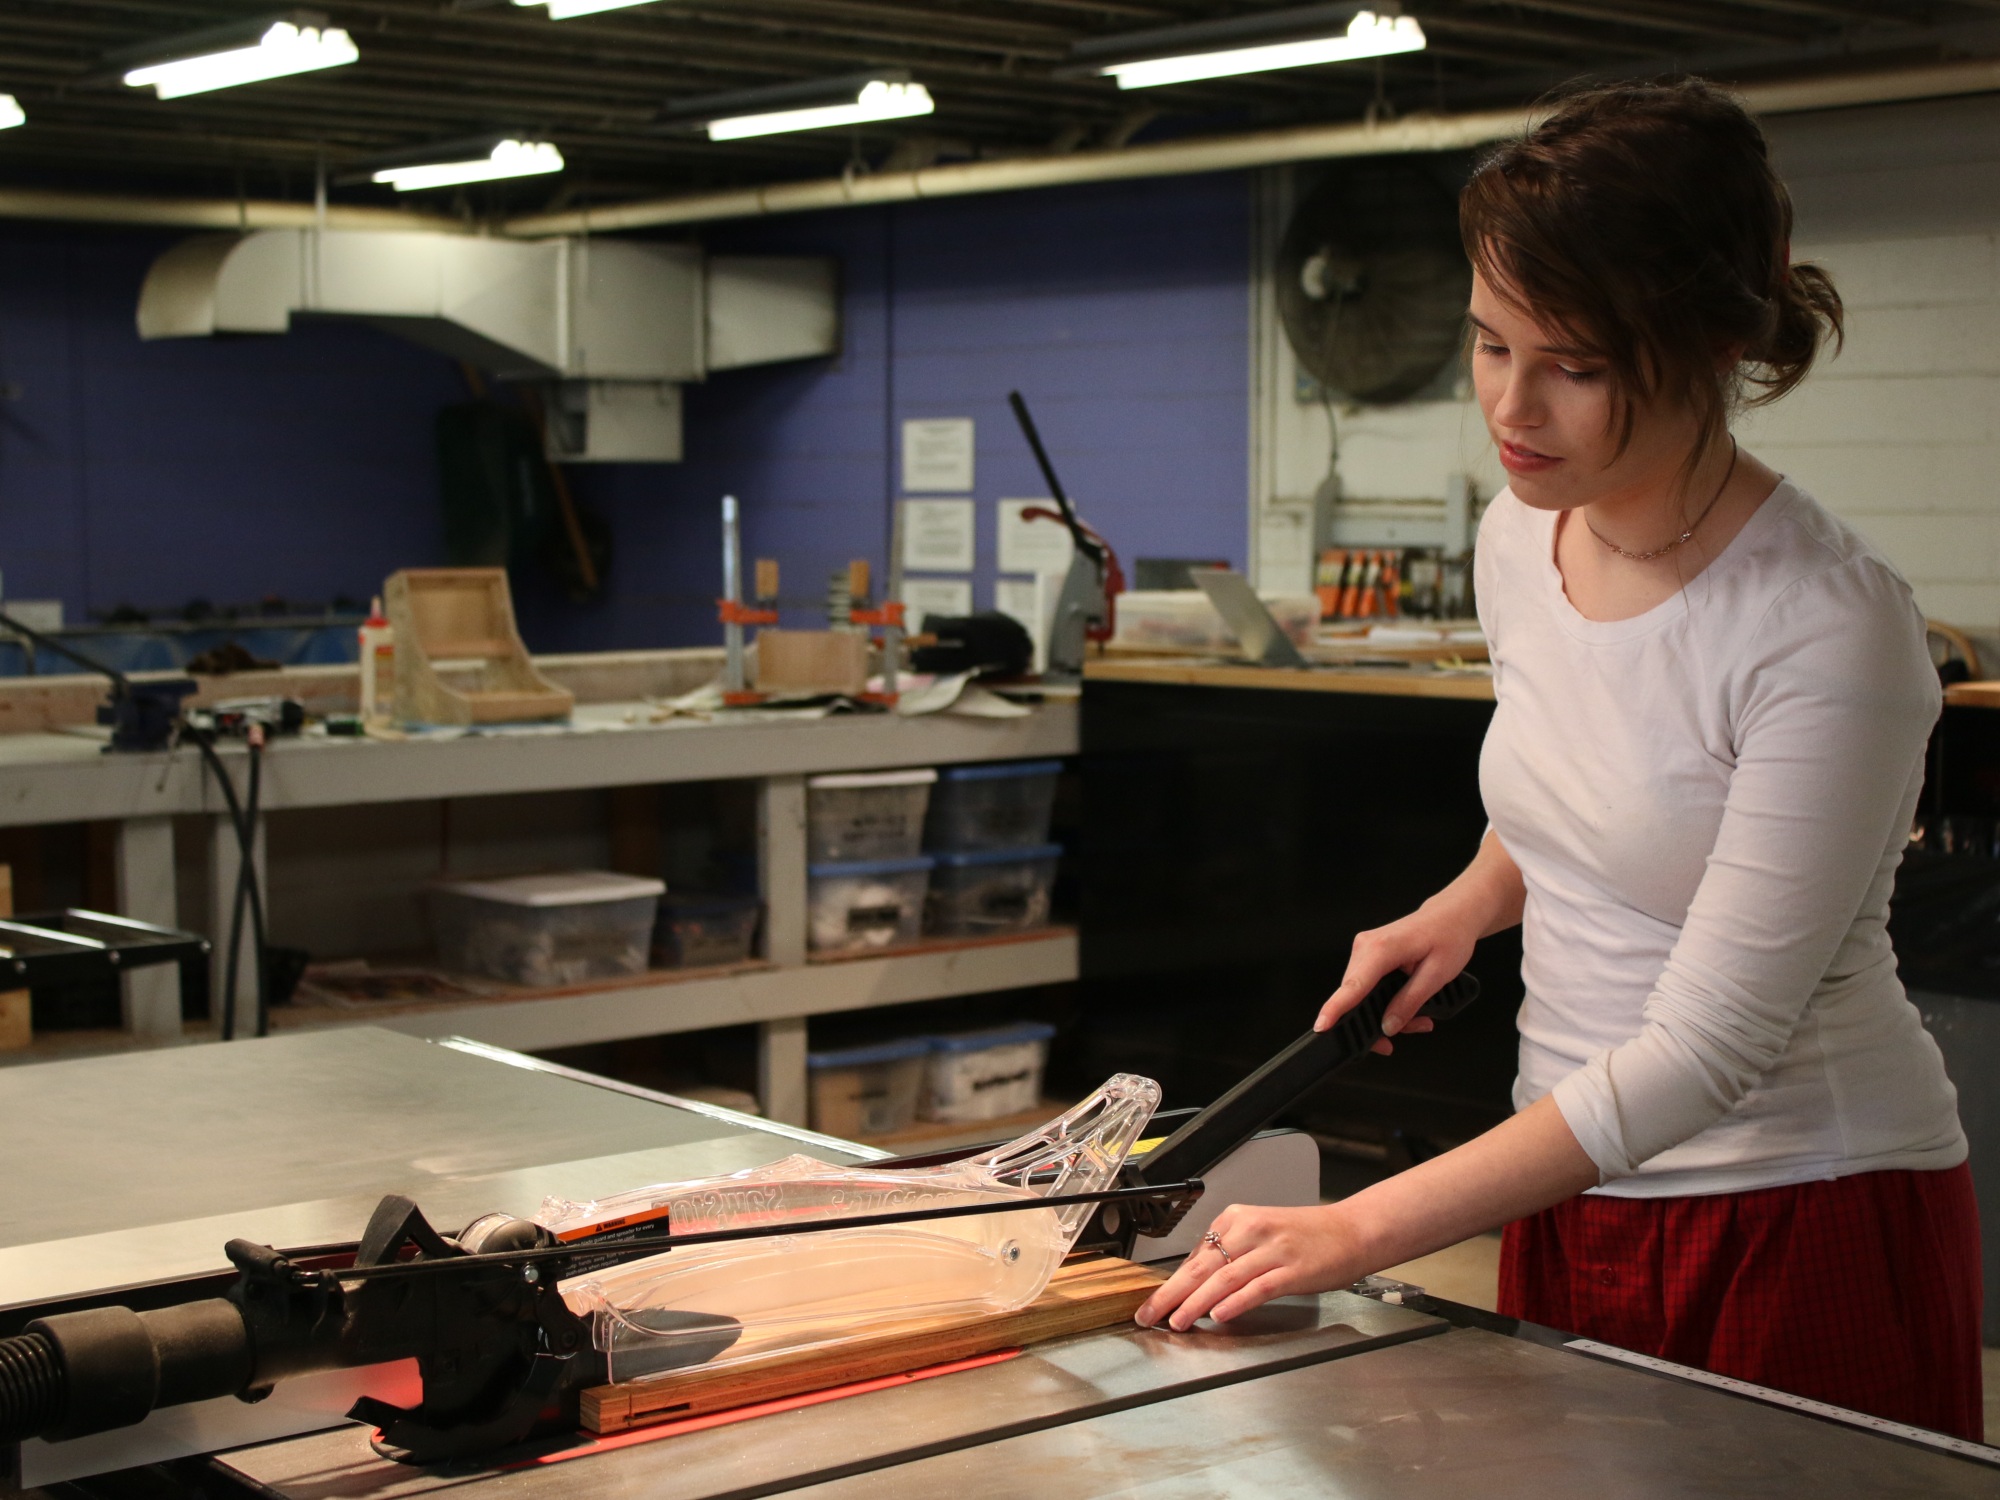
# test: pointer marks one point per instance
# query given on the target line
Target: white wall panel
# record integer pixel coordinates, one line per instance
(1900, 435)
(1918, 409)
(1891, 478)
(1931, 271)
(1940, 338)
(1937, 548)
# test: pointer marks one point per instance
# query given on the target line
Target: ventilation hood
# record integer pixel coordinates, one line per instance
(617, 326)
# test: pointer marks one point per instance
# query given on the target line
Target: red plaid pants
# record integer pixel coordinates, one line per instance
(1864, 1291)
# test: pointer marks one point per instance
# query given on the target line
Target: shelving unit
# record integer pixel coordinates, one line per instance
(62, 777)
(666, 1001)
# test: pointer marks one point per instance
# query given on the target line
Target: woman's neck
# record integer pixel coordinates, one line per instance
(1594, 543)
(1649, 518)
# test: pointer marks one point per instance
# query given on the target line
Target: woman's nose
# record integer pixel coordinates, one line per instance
(1519, 405)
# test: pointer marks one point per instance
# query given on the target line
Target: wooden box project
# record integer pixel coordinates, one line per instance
(811, 661)
(459, 623)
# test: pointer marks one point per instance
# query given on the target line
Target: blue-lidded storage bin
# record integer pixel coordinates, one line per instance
(858, 1091)
(985, 891)
(1005, 805)
(866, 814)
(984, 1075)
(868, 903)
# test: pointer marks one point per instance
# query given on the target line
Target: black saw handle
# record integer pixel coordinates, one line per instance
(1280, 1083)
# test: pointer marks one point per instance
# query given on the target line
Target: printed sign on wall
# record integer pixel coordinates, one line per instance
(937, 536)
(937, 455)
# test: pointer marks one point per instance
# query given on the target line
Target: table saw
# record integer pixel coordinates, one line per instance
(128, 1171)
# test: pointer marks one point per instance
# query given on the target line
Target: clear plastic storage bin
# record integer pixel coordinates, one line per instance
(861, 904)
(695, 931)
(1184, 620)
(983, 1075)
(859, 1091)
(991, 890)
(866, 815)
(543, 930)
(1004, 806)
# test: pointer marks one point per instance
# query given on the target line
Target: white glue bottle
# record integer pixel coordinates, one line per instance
(378, 666)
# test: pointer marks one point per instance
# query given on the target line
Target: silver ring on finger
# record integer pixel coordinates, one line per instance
(1214, 1241)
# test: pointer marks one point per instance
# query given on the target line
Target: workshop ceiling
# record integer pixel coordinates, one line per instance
(434, 70)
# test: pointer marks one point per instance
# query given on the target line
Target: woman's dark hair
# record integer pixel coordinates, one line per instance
(1644, 221)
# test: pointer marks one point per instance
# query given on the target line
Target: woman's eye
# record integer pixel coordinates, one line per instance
(1485, 348)
(1581, 377)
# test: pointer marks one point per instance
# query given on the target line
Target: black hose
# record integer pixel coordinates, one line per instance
(243, 820)
(35, 638)
(228, 955)
(32, 1390)
(235, 948)
(247, 878)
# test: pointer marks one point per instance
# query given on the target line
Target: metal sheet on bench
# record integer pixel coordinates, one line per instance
(137, 1167)
(1063, 1382)
(1467, 1414)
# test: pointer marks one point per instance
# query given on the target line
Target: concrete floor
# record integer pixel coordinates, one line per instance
(1993, 1396)
(1470, 1273)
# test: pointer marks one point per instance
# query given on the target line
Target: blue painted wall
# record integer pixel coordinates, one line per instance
(303, 465)
(154, 473)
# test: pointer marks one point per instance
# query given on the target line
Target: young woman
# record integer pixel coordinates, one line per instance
(1735, 1144)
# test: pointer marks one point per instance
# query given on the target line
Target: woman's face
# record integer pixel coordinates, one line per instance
(1548, 408)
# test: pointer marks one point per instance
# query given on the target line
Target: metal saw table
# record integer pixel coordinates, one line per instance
(118, 1171)
(1338, 1395)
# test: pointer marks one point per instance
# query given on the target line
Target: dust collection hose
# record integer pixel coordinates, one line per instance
(31, 1387)
(76, 1373)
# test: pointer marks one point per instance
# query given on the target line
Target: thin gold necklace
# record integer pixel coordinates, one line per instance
(1688, 535)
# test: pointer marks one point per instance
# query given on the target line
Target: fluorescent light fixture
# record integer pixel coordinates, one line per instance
(11, 113)
(508, 157)
(876, 100)
(300, 43)
(1367, 35)
(563, 10)
(815, 104)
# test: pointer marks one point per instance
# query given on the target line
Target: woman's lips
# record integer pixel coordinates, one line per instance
(1519, 460)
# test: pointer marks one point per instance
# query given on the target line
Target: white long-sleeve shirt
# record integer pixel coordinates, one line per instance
(1708, 803)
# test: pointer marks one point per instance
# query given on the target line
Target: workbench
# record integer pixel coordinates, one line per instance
(63, 776)
(1409, 680)
(1339, 1394)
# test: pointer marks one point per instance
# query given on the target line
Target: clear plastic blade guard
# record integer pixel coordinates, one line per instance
(794, 1292)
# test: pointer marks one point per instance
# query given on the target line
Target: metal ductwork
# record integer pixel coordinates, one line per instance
(615, 326)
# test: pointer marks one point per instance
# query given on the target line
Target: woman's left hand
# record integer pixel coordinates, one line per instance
(1272, 1252)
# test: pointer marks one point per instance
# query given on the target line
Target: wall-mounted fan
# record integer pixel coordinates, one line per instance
(1372, 280)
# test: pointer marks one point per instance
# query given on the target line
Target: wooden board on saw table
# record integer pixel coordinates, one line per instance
(1081, 1296)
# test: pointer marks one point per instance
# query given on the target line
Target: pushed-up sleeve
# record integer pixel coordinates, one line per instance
(1832, 707)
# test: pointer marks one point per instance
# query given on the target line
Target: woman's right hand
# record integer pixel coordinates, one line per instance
(1429, 947)
(1432, 944)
